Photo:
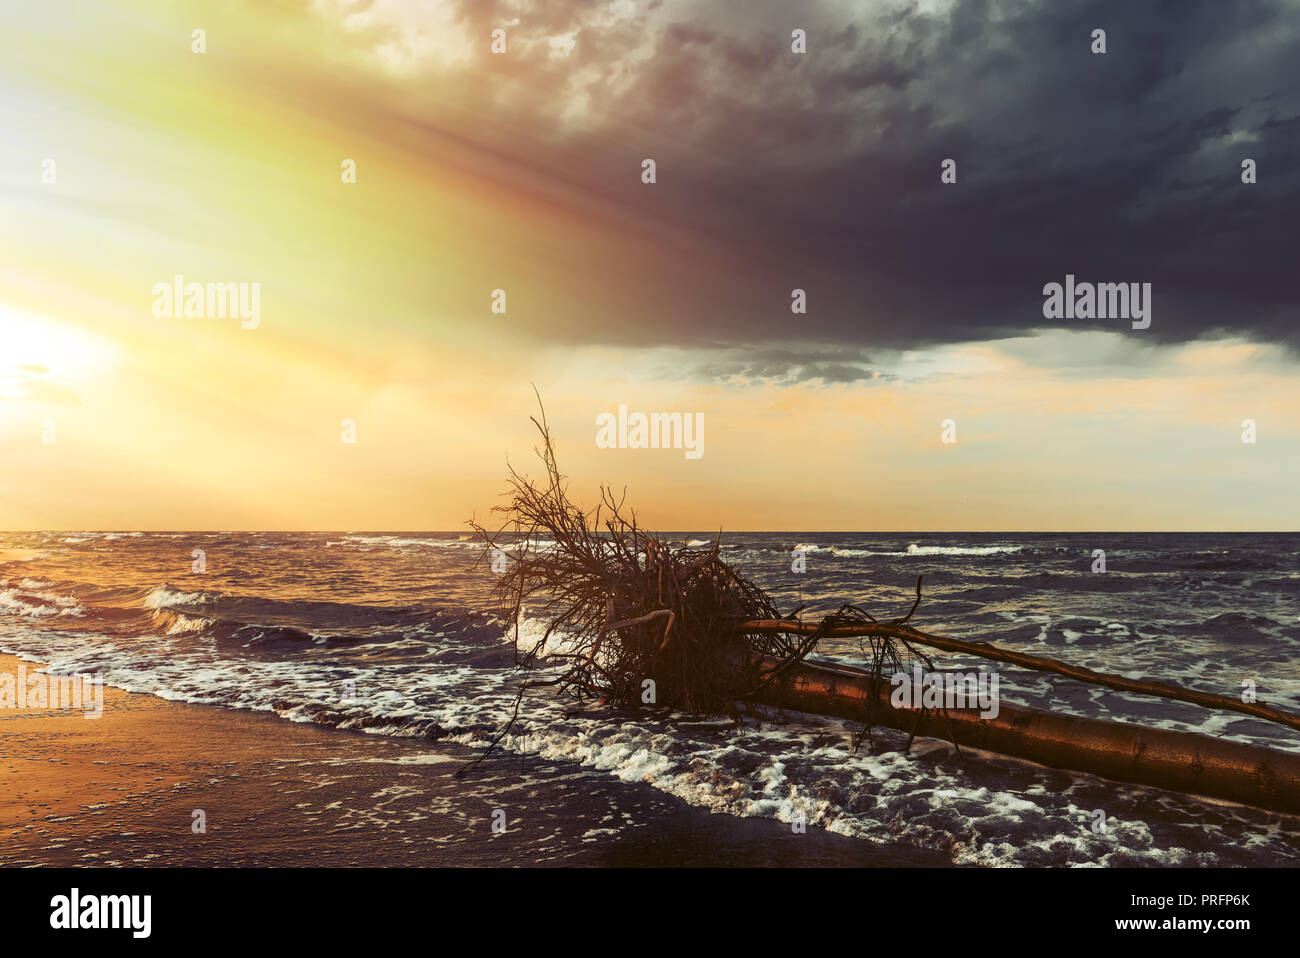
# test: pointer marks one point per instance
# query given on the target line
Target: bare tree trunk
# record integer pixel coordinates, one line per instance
(1181, 761)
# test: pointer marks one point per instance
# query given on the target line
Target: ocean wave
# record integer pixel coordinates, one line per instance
(178, 623)
(404, 542)
(234, 632)
(32, 603)
(532, 635)
(166, 596)
(917, 550)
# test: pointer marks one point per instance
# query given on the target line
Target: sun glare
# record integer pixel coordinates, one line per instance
(38, 345)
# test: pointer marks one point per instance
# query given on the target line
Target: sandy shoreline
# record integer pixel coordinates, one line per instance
(121, 790)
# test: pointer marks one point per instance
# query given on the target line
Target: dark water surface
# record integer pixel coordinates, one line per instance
(393, 633)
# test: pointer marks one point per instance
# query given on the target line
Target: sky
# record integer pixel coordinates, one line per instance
(131, 156)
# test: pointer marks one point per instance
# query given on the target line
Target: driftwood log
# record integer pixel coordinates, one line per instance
(1181, 761)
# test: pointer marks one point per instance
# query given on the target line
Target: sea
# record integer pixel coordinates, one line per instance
(398, 634)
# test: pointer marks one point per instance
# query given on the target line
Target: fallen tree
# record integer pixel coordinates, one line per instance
(1121, 751)
(625, 613)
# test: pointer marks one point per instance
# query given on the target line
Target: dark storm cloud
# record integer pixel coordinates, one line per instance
(783, 365)
(822, 171)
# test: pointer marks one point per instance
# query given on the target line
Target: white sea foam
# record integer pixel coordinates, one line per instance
(915, 550)
(28, 602)
(178, 623)
(532, 634)
(166, 596)
(402, 542)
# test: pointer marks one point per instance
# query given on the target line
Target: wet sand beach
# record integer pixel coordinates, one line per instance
(122, 790)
